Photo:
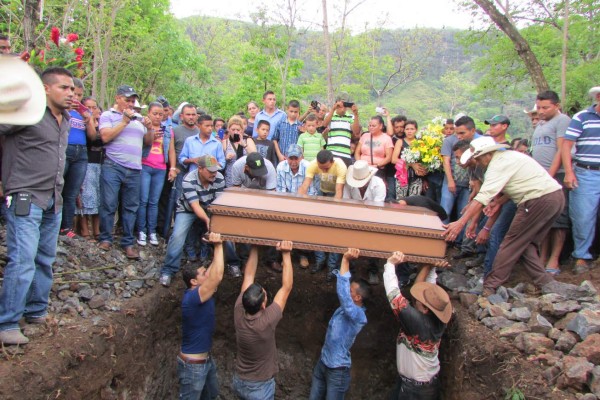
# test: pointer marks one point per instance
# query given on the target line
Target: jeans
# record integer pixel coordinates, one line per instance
(434, 190)
(31, 250)
(197, 381)
(332, 263)
(329, 383)
(153, 180)
(583, 211)
(254, 390)
(470, 245)
(183, 224)
(406, 390)
(117, 180)
(507, 213)
(460, 198)
(75, 168)
(176, 190)
(390, 183)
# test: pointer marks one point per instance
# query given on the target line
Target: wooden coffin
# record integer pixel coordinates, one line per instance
(325, 224)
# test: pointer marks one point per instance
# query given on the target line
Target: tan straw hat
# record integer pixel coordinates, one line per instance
(359, 174)
(435, 298)
(22, 94)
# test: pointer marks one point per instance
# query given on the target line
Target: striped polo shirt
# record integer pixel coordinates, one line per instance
(192, 190)
(340, 135)
(584, 130)
(126, 148)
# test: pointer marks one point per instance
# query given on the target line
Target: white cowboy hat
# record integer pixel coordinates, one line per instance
(488, 148)
(476, 145)
(594, 91)
(22, 94)
(359, 174)
(533, 110)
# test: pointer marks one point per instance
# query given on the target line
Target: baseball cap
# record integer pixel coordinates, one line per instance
(497, 119)
(256, 163)
(127, 91)
(209, 162)
(162, 100)
(294, 150)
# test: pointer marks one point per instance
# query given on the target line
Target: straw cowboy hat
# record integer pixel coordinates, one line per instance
(476, 145)
(434, 298)
(359, 174)
(22, 94)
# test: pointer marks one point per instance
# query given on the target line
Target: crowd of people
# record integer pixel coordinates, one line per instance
(69, 168)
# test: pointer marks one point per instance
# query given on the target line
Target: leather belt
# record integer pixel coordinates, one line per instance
(587, 166)
(189, 360)
(418, 383)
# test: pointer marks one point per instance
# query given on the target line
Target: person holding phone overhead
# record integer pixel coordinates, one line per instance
(35, 128)
(343, 127)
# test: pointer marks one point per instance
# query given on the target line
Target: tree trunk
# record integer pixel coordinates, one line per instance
(521, 46)
(31, 16)
(327, 38)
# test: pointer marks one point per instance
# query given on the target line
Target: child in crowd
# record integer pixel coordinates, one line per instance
(311, 141)
(286, 132)
(263, 145)
(415, 181)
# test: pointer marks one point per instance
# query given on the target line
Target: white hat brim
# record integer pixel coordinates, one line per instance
(358, 183)
(32, 111)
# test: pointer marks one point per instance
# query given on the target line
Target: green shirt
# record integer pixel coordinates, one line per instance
(340, 135)
(311, 144)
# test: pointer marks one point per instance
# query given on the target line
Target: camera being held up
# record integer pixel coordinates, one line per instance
(315, 105)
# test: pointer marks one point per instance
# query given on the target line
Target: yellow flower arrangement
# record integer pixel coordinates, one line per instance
(427, 146)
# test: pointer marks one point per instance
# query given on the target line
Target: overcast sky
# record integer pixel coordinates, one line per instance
(392, 14)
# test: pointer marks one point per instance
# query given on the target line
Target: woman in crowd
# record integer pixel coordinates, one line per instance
(375, 146)
(236, 144)
(415, 182)
(155, 157)
(89, 199)
(253, 109)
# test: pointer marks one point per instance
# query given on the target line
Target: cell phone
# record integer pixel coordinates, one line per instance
(348, 104)
(82, 109)
(221, 133)
(23, 204)
(379, 110)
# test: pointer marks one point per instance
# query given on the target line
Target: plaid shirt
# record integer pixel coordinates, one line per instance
(287, 182)
(286, 134)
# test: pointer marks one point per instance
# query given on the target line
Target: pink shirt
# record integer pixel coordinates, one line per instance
(156, 157)
(380, 144)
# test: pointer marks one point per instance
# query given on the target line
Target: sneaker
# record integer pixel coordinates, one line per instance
(373, 278)
(36, 320)
(69, 233)
(153, 239)
(141, 239)
(12, 337)
(165, 280)
(234, 271)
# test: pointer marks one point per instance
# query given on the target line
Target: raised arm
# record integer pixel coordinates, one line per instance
(287, 276)
(250, 270)
(390, 281)
(349, 308)
(215, 271)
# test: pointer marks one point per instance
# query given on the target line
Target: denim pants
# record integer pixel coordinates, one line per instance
(507, 213)
(75, 168)
(390, 184)
(118, 183)
(583, 211)
(253, 390)
(153, 180)
(333, 262)
(175, 194)
(460, 198)
(406, 390)
(434, 190)
(183, 224)
(197, 381)
(329, 383)
(31, 250)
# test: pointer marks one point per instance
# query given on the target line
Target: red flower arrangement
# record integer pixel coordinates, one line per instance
(60, 53)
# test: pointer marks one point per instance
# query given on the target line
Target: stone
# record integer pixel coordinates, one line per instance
(551, 374)
(560, 309)
(496, 323)
(86, 294)
(451, 280)
(585, 323)
(587, 396)
(514, 330)
(130, 271)
(595, 381)
(513, 294)
(554, 334)
(495, 299)
(531, 343)
(565, 342)
(589, 286)
(538, 324)
(521, 314)
(97, 301)
(589, 348)
(575, 373)
(568, 290)
(532, 303)
(549, 359)
(502, 292)
(562, 323)
(483, 302)
(466, 299)
(64, 294)
(497, 311)
(552, 298)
